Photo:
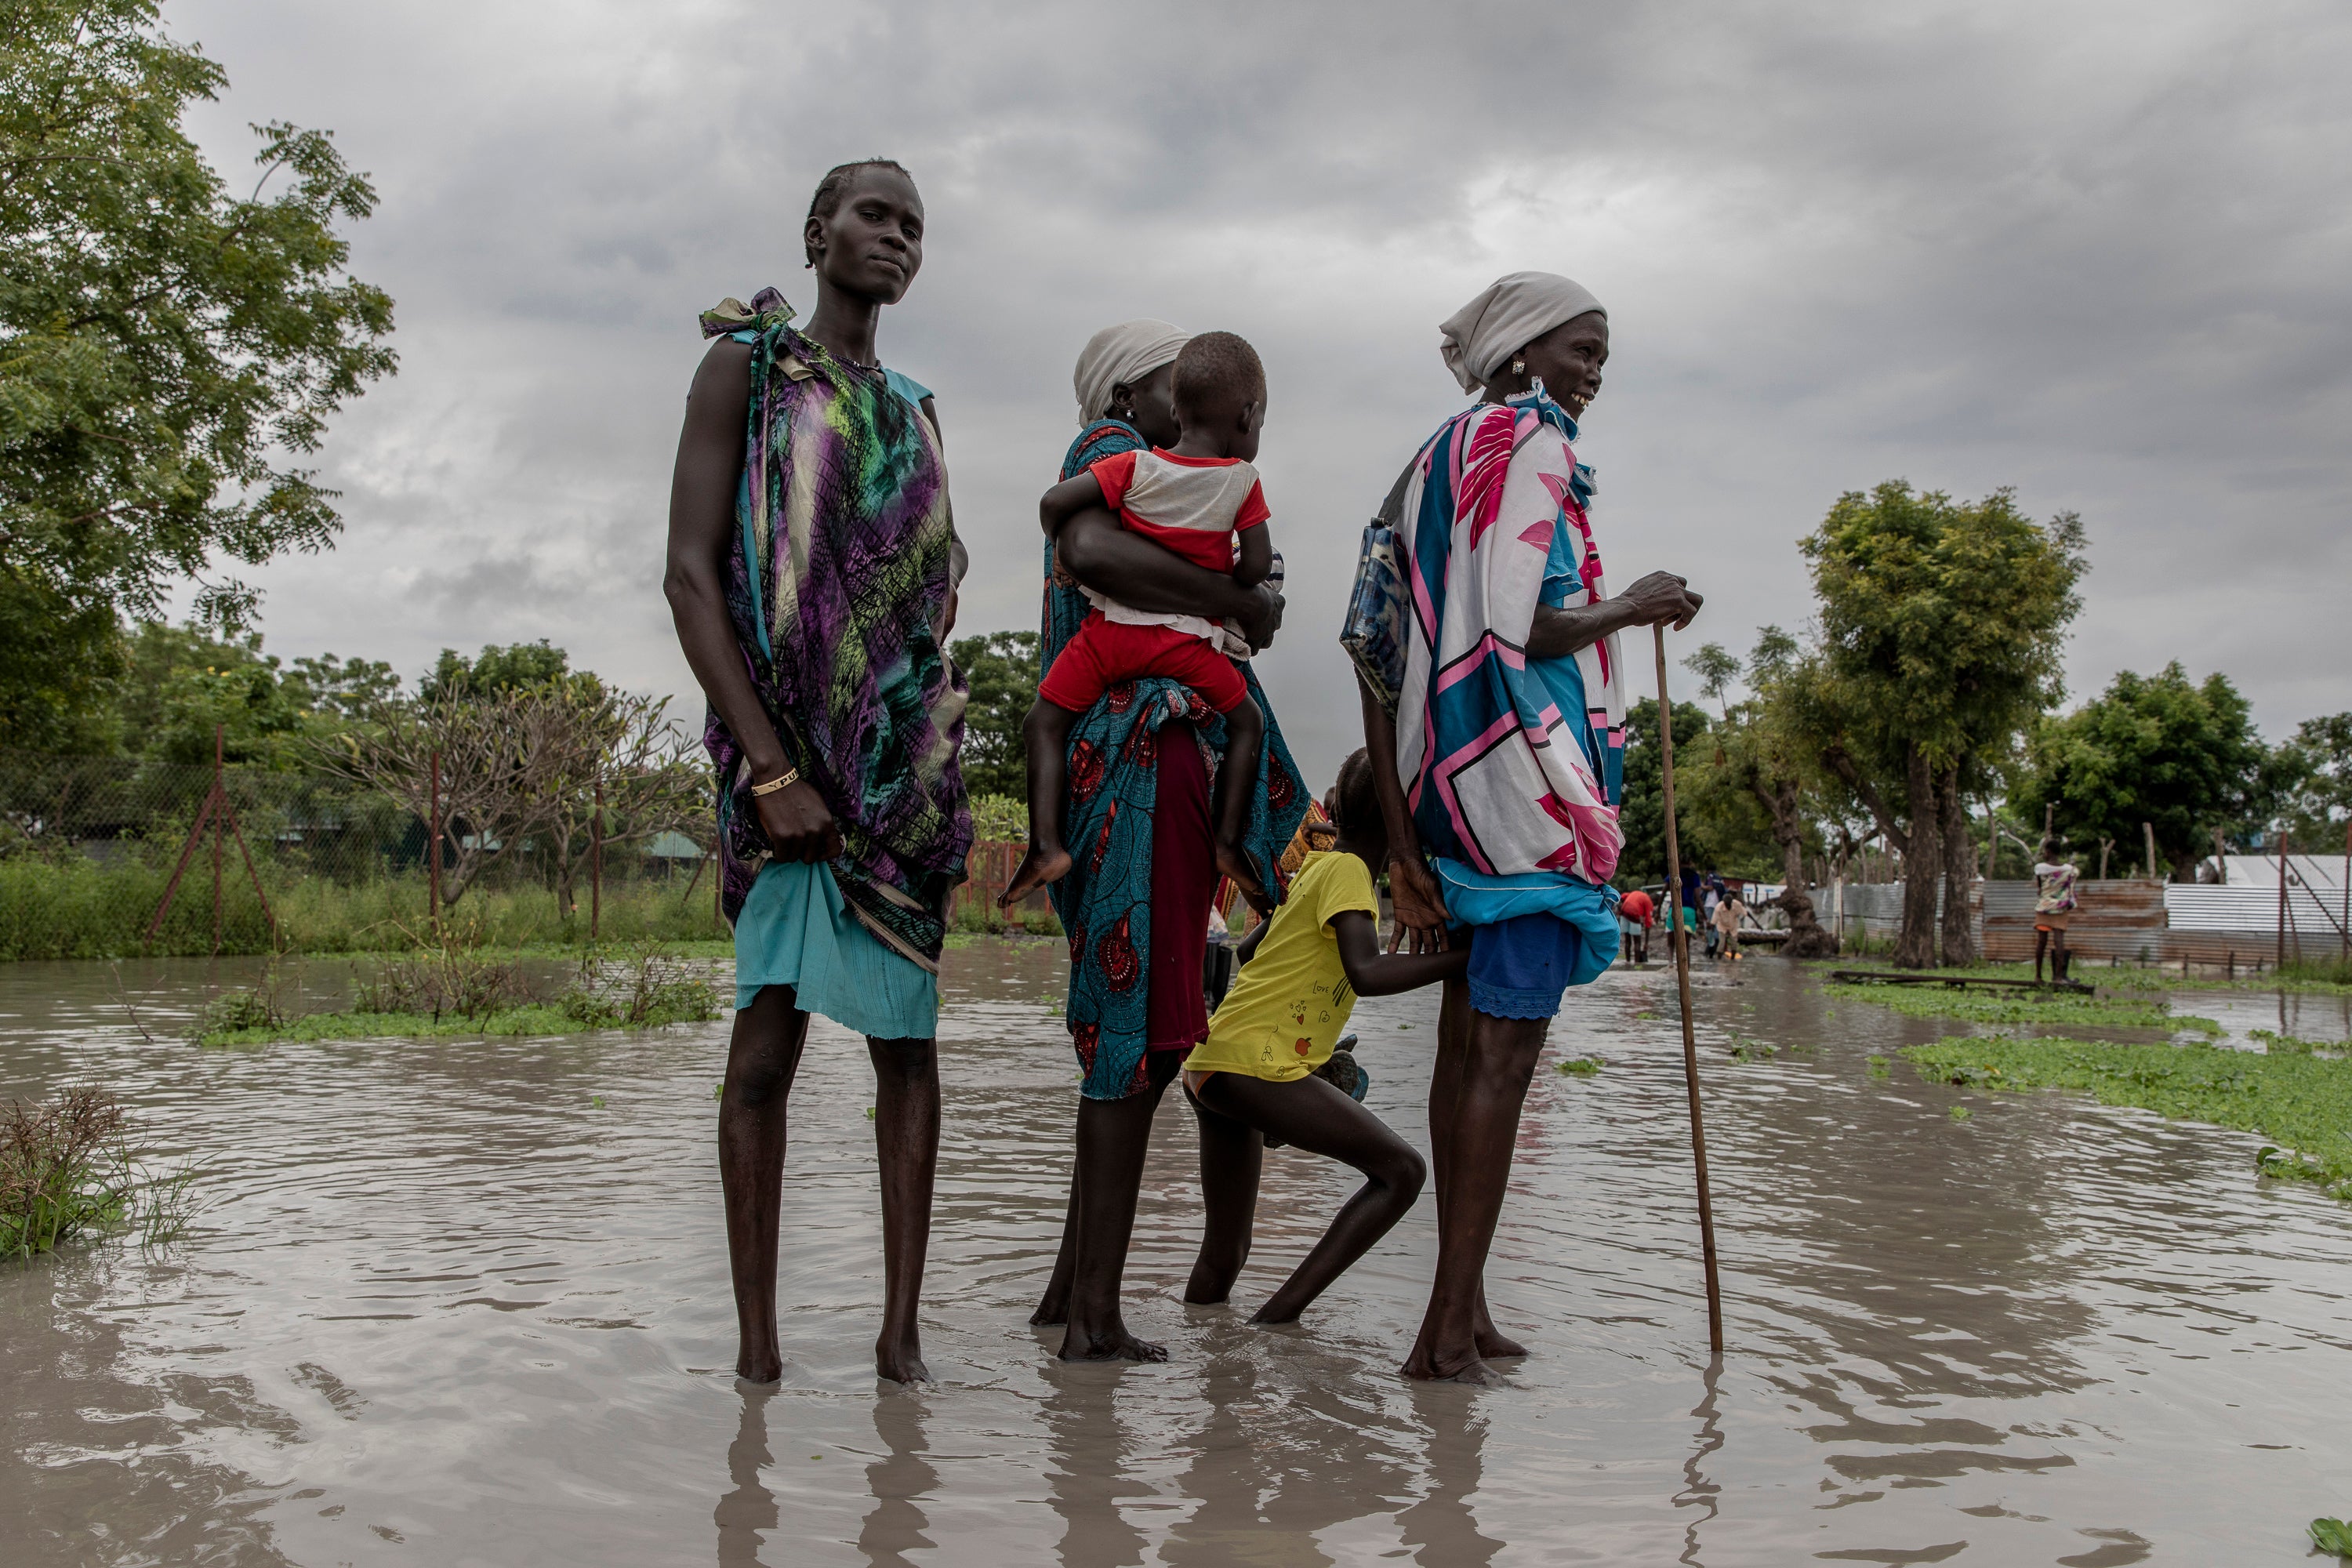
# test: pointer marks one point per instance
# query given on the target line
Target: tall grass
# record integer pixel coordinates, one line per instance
(81, 908)
(67, 1171)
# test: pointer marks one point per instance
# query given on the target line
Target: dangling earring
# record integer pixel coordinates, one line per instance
(1519, 365)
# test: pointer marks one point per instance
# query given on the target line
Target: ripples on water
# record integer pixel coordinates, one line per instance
(445, 1310)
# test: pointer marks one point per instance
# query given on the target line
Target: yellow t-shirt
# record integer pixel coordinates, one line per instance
(1290, 1002)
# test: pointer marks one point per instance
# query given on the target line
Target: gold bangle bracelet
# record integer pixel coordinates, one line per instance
(791, 776)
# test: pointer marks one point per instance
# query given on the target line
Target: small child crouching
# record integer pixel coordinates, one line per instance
(1302, 972)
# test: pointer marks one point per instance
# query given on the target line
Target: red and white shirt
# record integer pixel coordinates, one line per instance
(1192, 506)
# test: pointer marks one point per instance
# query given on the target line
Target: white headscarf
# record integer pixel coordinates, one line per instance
(1125, 352)
(1508, 314)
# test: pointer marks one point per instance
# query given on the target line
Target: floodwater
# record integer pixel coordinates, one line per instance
(446, 1308)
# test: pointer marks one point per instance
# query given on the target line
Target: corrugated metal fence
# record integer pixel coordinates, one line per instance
(2134, 920)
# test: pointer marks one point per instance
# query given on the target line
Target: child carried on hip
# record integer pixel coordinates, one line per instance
(1255, 1078)
(1201, 499)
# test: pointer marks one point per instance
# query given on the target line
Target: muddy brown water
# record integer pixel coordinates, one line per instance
(445, 1309)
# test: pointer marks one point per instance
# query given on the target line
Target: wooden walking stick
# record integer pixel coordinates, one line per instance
(1681, 940)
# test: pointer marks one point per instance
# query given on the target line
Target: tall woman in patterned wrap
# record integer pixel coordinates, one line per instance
(811, 565)
(1136, 905)
(1502, 759)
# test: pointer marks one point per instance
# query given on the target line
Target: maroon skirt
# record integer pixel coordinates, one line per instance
(1183, 881)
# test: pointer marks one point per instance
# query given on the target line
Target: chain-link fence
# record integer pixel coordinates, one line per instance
(106, 855)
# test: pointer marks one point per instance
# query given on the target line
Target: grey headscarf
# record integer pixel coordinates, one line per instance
(1125, 352)
(1508, 314)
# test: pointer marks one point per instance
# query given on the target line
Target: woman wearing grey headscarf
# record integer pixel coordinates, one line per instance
(1506, 772)
(1137, 907)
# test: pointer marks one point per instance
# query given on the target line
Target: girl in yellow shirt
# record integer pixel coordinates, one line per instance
(1255, 1076)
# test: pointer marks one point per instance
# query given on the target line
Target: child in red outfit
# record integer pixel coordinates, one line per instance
(1200, 499)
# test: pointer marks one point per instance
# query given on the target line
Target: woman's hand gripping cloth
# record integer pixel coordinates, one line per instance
(837, 586)
(1512, 767)
(1105, 902)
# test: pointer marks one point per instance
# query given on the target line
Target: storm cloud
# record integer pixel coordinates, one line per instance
(2096, 253)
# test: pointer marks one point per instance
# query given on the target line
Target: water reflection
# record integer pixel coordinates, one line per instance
(1698, 1490)
(1440, 1527)
(748, 1508)
(2066, 1333)
(1295, 1438)
(1092, 1477)
(899, 1480)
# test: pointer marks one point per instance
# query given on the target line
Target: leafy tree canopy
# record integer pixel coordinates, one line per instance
(182, 681)
(1643, 814)
(1716, 667)
(169, 351)
(1942, 621)
(2181, 755)
(498, 671)
(2315, 773)
(1002, 669)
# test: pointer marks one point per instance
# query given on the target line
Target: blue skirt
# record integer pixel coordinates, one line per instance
(796, 929)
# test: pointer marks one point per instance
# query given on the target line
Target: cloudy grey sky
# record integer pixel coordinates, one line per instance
(2099, 252)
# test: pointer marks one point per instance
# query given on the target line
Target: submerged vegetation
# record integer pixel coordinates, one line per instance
(456, 990)
(2302, 1100)
(67, 1170)
(2054, 1009)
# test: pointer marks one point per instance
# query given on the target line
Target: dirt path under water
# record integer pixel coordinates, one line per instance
(445, 1310)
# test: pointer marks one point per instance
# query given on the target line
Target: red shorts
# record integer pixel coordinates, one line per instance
(1106, 652)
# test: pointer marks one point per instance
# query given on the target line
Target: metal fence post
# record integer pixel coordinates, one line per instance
(596, 864)
(217, 836)
(433, 847)
(2282, 921)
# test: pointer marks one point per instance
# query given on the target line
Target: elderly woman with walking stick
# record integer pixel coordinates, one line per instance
(1496, 740)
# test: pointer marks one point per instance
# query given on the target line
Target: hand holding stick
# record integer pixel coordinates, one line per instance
(1681, 941)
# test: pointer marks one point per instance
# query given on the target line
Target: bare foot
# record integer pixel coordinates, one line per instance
(1116, 1344)
(1495, 1345)
(763, 1366)
(1052, 1312)
(1042, 864)
(1273, 1316)
(900, 1361)
(1231, 861)
(1437, 1368)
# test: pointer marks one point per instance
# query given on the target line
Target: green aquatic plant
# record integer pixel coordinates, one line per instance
(2304, 1102)
(1753, 1050)
(67, 1170)
(1959, 1113)
(2332, 1535)
(1580, 1067)
(457, 991)
(2280, 1045)
(2053, 1010)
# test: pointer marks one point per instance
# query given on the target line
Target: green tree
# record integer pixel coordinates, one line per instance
(1942, 628)
(1758, 792)
(180, 682)
(59, 662)
(1716, 667)
(1002, 669)
(169, 351)
(2312, 777)
(2181, 756)
(1641, 813)
(497, 669)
